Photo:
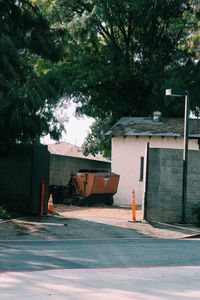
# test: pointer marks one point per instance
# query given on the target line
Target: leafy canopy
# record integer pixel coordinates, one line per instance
(96, 141)
(123, 54)
(29, 78)
(114, 57)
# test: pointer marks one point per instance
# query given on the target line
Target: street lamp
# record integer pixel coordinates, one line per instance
(180, 93)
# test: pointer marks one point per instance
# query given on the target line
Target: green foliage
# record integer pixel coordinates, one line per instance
(96, 141)
(120, 52)
(196, 212)
(3, 213)
(114, 57)
(123, 54)
(30, 78)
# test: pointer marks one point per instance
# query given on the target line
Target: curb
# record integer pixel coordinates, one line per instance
(179, 227)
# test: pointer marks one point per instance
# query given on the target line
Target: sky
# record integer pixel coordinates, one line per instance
(76, 128)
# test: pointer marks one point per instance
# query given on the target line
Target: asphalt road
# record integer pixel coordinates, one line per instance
(103, 253)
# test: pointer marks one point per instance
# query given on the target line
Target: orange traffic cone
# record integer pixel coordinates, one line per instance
(50, 204)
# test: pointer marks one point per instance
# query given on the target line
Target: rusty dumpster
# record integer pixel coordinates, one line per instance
(95, 186)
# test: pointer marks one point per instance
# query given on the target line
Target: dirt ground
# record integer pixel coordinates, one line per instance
(71, 222)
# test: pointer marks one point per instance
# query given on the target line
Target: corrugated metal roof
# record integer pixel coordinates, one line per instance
(145, 126)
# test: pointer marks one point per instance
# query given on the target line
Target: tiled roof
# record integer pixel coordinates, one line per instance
(67, 149)
(144, 126)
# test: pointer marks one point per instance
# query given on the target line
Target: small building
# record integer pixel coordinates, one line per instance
(130, 136)
(66, 158)
(67, 149)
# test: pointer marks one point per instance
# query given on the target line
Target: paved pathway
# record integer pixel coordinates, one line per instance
(160, 283)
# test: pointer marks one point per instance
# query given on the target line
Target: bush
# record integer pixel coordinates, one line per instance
(3, 213)
(196, 212)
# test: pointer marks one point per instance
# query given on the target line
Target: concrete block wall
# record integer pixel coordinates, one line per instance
(164, 185)
(61, 167)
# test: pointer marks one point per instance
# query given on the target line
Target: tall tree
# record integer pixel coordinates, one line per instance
(123, 54)
(120, 52)
(29, 81)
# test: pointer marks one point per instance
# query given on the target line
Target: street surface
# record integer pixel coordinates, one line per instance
(140, 268)
(96, 253)
(77, 254)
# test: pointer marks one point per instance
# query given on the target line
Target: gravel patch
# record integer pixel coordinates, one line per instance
(72, 222)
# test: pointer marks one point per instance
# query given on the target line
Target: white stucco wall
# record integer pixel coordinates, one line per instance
(126, 153)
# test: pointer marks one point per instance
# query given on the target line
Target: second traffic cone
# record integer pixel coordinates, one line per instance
(50, 204)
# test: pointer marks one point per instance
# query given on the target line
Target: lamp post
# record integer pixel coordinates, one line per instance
(179, 93)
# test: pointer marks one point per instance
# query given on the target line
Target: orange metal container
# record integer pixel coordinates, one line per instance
(91, 184)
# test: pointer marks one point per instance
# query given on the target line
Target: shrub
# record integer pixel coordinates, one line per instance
(3, 213)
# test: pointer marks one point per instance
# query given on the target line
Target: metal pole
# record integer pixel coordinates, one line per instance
(185, 158)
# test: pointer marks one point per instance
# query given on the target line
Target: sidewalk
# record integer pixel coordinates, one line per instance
(189, 230)
(160, 283)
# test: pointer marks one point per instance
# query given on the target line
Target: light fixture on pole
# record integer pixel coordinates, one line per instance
(181, 93)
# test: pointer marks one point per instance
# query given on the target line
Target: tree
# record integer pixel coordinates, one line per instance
(96, 141)
(30, 80)
(119, 52)
(123, 54)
